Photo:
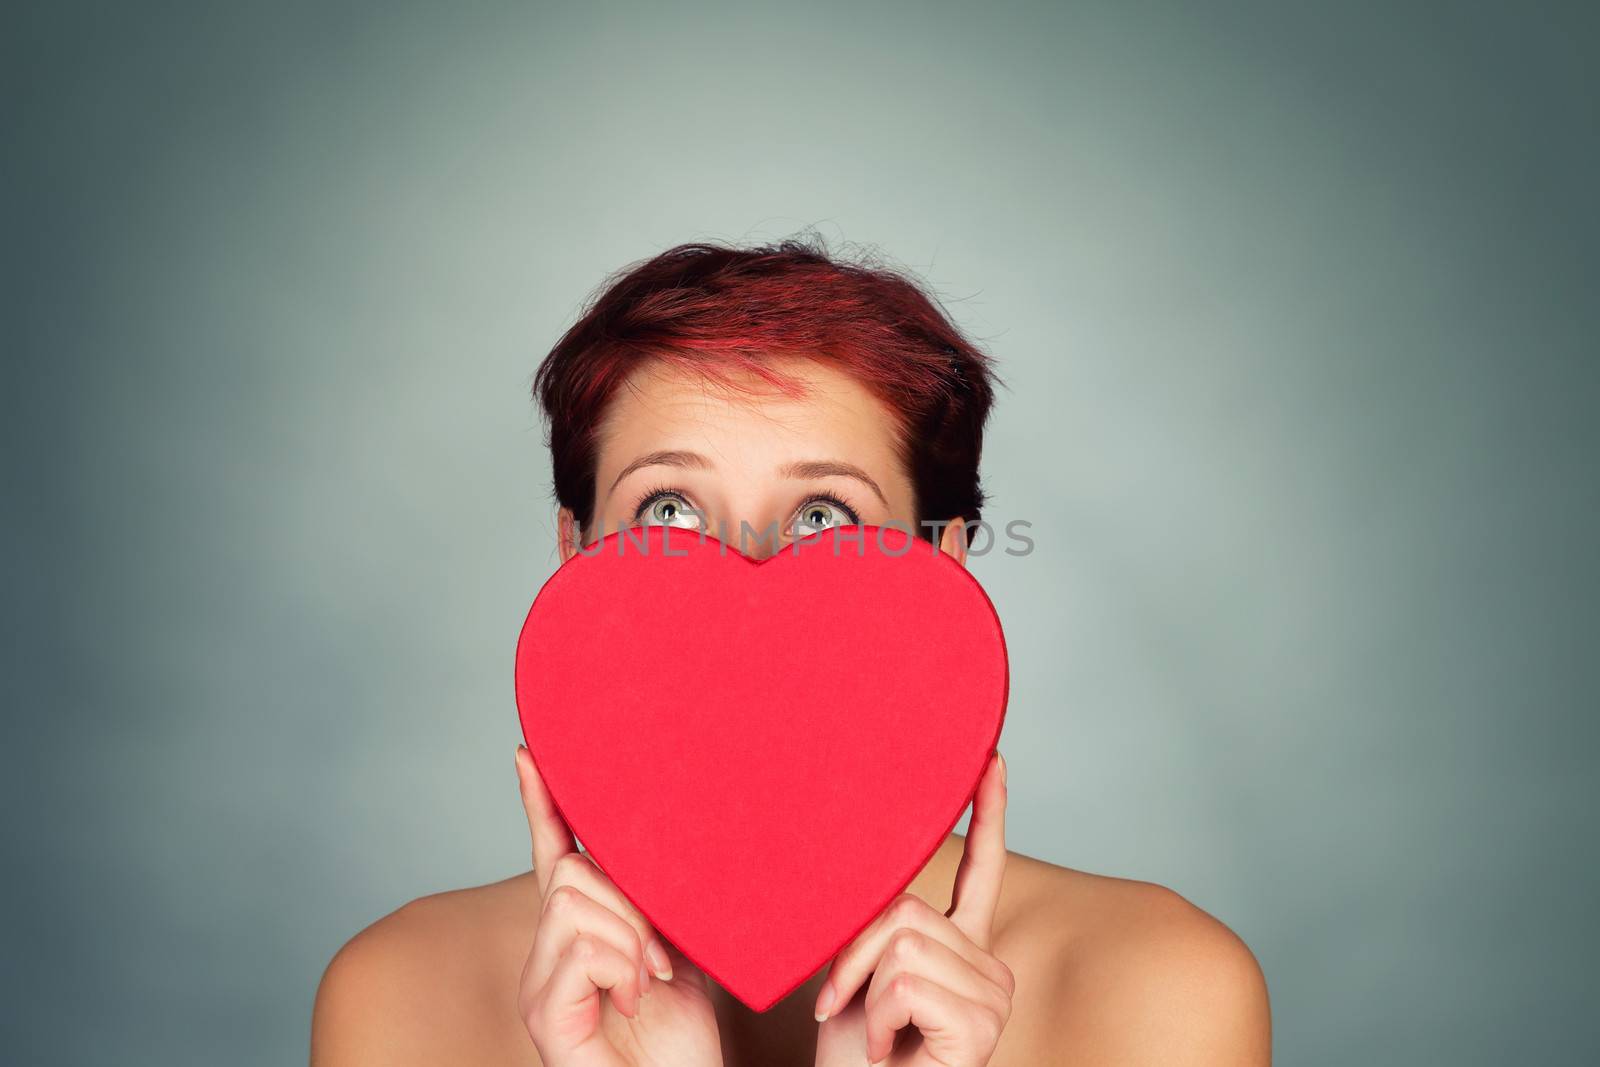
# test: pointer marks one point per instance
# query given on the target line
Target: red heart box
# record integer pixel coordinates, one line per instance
(761, 755)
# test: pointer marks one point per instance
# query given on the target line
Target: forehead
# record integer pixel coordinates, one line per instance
(748, 419)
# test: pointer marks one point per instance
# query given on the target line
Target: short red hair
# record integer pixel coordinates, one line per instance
(709, 307)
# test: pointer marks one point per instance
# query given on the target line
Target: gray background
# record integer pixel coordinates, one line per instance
(1295, 304)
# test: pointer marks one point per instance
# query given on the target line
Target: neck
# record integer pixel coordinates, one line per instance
(786, 1033)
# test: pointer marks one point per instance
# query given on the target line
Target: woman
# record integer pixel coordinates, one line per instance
(765, 394)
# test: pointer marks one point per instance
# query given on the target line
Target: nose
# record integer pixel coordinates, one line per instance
(756, 537)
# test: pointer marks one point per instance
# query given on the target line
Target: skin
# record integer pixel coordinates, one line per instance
(989, 957)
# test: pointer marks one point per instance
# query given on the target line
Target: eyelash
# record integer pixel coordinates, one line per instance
(650, 496)
(829, 498)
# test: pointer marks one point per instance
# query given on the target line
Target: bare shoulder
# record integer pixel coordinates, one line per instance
(1111, 970)
(431, 982)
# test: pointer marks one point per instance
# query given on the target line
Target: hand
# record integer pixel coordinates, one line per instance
(926, 969)
(586, 995)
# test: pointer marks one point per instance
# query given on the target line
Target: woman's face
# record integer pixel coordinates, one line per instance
(676, 449)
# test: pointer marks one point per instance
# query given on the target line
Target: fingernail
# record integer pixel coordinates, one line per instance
(660, 962)
(1002, 760)
(825, 1002)
(644, 980)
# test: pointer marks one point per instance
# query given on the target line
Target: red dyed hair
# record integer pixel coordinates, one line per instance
(711, 307)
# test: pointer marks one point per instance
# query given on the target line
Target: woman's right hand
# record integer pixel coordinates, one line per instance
(587, 995)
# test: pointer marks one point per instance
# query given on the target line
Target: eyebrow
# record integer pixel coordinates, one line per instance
(815, 468)
(826, 468)
(666, 458)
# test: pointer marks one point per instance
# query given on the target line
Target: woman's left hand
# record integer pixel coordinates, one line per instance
(928, 970)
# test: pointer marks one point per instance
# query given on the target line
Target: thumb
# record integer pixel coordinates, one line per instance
(549, 832)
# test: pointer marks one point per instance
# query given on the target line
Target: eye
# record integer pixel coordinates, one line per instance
(667, 509)
(821, 514)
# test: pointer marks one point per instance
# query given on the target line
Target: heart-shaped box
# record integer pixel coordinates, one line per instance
(761, 754)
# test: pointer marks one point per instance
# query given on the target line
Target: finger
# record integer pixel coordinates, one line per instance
(983, 861)
(955, 1031)
(843, 1038)
(577, 870)
(857, 960)
(911, 952)
(586, 967)
(570, 914)
(547, 829)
